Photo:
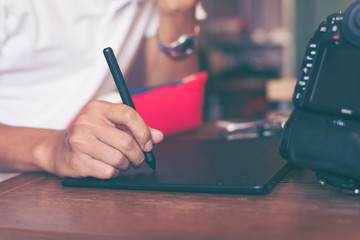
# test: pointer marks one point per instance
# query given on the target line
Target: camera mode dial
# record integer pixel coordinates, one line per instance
(351, 24)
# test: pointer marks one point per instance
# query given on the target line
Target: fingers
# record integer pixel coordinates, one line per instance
(98, 169)
(96, 146)
(85, 166)
(156, 135)
(119, 144)
(128, 117)
(109, 155)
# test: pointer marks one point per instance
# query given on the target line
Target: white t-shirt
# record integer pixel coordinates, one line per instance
(51, 61)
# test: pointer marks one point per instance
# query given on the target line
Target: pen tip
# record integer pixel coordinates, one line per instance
(152, 165)
(150, 159)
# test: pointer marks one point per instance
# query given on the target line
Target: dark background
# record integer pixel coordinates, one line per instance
(246, 43)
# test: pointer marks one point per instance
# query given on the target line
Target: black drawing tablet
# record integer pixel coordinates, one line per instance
(246, 166)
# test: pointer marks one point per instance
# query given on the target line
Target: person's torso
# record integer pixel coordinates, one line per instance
(51, 61)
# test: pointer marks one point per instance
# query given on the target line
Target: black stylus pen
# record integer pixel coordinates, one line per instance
(124, 93)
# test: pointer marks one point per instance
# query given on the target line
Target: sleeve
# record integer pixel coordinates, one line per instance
(2, 24)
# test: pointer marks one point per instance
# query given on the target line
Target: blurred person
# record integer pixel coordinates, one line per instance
(52, 69)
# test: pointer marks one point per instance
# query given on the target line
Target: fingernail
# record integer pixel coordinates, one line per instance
(116, 173)
(148, 146)
(156, 131)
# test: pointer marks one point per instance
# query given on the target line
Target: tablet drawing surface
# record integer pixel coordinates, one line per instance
(244, 166)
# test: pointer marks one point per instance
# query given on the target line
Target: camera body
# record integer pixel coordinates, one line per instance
(323, 131)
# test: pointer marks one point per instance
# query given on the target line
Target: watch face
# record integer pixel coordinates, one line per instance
(182, 48)
(188, 46)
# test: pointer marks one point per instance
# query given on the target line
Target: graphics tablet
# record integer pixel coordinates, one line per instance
(244, 166)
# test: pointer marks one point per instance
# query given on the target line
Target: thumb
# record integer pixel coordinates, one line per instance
(156, 135)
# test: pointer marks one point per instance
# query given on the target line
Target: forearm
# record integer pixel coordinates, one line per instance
(159, 67)
(91, 146)
(26, 149)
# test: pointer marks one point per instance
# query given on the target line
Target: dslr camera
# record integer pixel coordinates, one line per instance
(323, 131)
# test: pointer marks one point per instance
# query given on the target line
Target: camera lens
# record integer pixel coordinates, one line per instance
(351, 23)
(357, 20)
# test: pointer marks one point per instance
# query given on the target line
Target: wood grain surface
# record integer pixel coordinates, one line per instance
(36, 206)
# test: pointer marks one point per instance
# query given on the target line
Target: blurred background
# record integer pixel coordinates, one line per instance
(253, 50)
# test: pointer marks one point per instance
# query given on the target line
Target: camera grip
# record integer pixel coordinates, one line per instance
(322, 143)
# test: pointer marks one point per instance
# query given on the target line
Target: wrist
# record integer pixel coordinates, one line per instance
(183, 47)
(178, 34)
(49, 149)
(174, 24)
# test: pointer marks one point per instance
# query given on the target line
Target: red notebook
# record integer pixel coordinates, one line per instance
(173, 108)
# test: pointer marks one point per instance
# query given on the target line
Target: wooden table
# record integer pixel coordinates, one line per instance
(36, 206)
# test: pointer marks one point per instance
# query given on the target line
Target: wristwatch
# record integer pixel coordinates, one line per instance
(183, 47)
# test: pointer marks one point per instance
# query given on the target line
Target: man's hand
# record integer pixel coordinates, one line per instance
(104, 139)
